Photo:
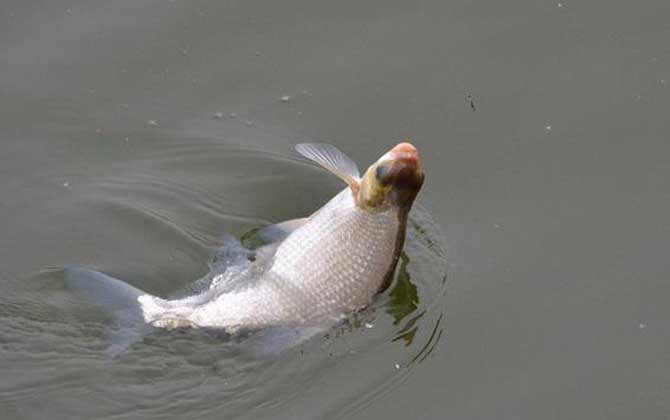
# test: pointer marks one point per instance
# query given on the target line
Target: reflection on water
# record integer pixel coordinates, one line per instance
(404, 300)
(404, 297)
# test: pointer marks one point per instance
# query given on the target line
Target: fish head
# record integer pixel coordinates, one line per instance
(392, 181)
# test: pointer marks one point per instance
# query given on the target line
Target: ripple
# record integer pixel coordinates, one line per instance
(186, 196)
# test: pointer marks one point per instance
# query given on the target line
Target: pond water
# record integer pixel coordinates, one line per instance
(535, 281)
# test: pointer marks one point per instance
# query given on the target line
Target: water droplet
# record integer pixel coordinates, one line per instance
(127, 139)
(548, 128)
(368, 325)
(66, 184)
(285, 98)
(218, 115)
(249, 123)
(642, 325)
(232, 115)
(397, 366)
(68, 11)
(560, 5)
(152, 123)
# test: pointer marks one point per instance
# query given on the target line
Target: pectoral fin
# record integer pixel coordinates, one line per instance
(332, 159)
(279, 231)
(273, 341)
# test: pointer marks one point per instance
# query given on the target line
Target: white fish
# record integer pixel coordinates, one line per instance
(319, 269)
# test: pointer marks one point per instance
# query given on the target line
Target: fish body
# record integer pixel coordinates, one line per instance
(319, 269)
(335, 263)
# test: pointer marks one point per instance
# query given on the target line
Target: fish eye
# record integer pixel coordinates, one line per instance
(382, 173)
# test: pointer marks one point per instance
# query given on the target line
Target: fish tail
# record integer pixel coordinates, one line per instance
(119, 301)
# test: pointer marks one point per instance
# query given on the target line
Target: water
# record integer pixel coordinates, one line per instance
(543, 132)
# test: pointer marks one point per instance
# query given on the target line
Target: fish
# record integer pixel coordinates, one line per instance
(312, 271)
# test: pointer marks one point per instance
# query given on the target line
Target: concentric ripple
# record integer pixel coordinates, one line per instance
(172, 207)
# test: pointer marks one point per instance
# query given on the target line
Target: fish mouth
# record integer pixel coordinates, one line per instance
(401, 169)
(404, 150)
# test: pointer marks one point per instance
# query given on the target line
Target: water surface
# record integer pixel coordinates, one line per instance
(134, 134)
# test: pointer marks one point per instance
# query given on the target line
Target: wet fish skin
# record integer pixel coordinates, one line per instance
(332, 264)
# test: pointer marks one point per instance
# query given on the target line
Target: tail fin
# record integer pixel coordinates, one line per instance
(119, 300)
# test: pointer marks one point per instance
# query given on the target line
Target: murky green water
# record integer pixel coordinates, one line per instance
(134, 134)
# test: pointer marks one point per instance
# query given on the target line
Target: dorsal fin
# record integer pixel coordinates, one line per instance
(332, 159)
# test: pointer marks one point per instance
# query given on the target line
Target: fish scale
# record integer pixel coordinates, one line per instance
(333, 264)
(312, 272)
